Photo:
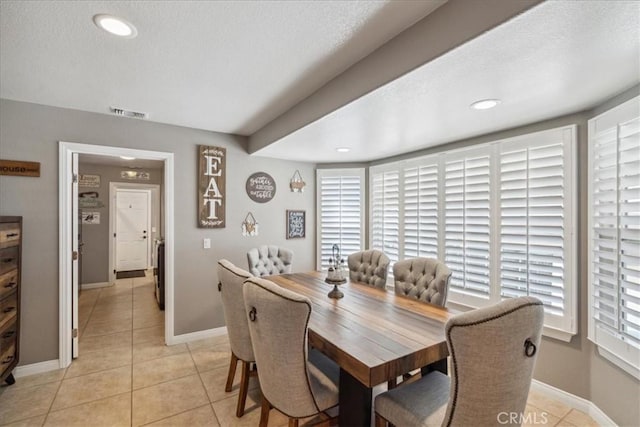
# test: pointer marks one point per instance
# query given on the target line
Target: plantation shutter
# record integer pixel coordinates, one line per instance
(467, 224)
(340, 212)
(421, 211)
(615, 231)
(385, 213)
(532, 215)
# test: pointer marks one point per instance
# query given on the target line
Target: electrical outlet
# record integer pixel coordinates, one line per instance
(206, 243)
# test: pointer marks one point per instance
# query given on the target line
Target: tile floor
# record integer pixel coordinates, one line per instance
(125, 375)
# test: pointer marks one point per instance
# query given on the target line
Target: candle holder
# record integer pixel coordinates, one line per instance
(336, 274)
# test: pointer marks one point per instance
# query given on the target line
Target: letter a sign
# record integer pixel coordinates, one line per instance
(212, 167)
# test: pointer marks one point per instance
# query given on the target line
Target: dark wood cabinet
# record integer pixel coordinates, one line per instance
(10, 276)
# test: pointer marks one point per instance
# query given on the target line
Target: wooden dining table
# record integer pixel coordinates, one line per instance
(373, 334)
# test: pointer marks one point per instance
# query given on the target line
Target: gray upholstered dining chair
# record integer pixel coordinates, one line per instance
(370, 267)
(425, 279)
(267, 260)
(493, 351)
(290, 381)
(231, 280)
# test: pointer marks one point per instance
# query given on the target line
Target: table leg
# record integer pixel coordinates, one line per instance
(355, 402)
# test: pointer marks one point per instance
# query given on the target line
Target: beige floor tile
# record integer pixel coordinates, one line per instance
(38, 379)
(546, 403)
(105, 328)
(160, 370)
(105, 343)
(109, 314)
(207, 359)
(148, 320)
(225, 411)
(114, 291)
(202, 416)
(155, 349)
(142, 335)
(112, 411)
(215, 380)
(210, 343)
(87, 388)
(167, 399)
(29, 422)
(579, 418)
(538, 417)
(96, 361)
(27, 402)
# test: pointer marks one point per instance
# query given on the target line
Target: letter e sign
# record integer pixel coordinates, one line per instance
(212, 168)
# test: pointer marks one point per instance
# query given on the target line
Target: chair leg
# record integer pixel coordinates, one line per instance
(232, 372)
(293, 422)
(244, 387)
(264, 412)
(380, 422)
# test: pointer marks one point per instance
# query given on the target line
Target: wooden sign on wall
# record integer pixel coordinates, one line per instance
(19, 168)
(212, 168)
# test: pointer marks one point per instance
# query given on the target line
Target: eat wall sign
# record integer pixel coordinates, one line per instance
(211, 186)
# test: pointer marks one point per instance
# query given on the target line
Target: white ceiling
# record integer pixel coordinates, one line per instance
(227, 66)
(234, 66)
(558, 58)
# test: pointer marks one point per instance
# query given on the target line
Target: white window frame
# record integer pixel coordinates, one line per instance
(320, 173)
(567, 326)
(609, 345)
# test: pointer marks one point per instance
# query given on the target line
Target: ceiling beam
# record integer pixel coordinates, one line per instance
(448, 27)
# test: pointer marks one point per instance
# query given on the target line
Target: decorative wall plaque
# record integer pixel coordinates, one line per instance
(296, 224)
(297, 184)
(249, 225)
(261, 187)
(19, 168)
(91, 181)
(139, 175)
(212, 168)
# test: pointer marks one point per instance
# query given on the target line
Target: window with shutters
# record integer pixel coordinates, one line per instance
(500, 215)
(385, 213)
(614, 234)
(340, 210)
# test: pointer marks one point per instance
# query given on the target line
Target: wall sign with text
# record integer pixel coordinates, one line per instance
(261, 187)
(212, 170)
(296, 224)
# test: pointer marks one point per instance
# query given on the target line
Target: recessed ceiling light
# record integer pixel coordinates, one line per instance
(127, 158)
(343, 149)
(485, 104)
(116, 26)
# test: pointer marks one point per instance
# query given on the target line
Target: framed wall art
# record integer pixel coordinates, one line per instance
(296, 224)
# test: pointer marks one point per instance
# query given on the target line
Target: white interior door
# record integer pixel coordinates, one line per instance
(75, 279)
(132, 229)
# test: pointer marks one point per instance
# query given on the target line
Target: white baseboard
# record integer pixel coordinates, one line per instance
(36, 368)
(573, 401)
(95, 285)
(194, 336)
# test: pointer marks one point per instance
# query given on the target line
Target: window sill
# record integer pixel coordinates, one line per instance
(634, 371)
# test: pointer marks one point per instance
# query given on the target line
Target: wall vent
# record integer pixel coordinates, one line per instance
(128, 113)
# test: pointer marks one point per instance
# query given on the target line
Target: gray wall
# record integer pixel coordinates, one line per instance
(95, 252)
(575, 367)
(31, 132)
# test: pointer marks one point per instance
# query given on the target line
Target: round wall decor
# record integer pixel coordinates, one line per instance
(261, 187)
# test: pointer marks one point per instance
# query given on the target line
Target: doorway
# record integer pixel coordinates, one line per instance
(69, 240)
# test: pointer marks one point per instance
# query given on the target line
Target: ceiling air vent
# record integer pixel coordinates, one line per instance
(128, 113)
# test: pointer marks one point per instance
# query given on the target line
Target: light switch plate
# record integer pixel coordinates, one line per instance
(206, 243)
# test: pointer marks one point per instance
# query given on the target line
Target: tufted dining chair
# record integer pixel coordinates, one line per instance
(231, 280)
(267, 260)
(290, 381)
(425, 279)
(370, 267)
(493, 352)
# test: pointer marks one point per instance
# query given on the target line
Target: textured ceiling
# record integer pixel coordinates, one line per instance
(557, 58)
(227, 66)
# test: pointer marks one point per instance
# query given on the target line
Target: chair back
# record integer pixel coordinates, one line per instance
(267, 260)
(425, 279)
(370, 267)
(235, 316)
(278, 321)
(493, 353)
